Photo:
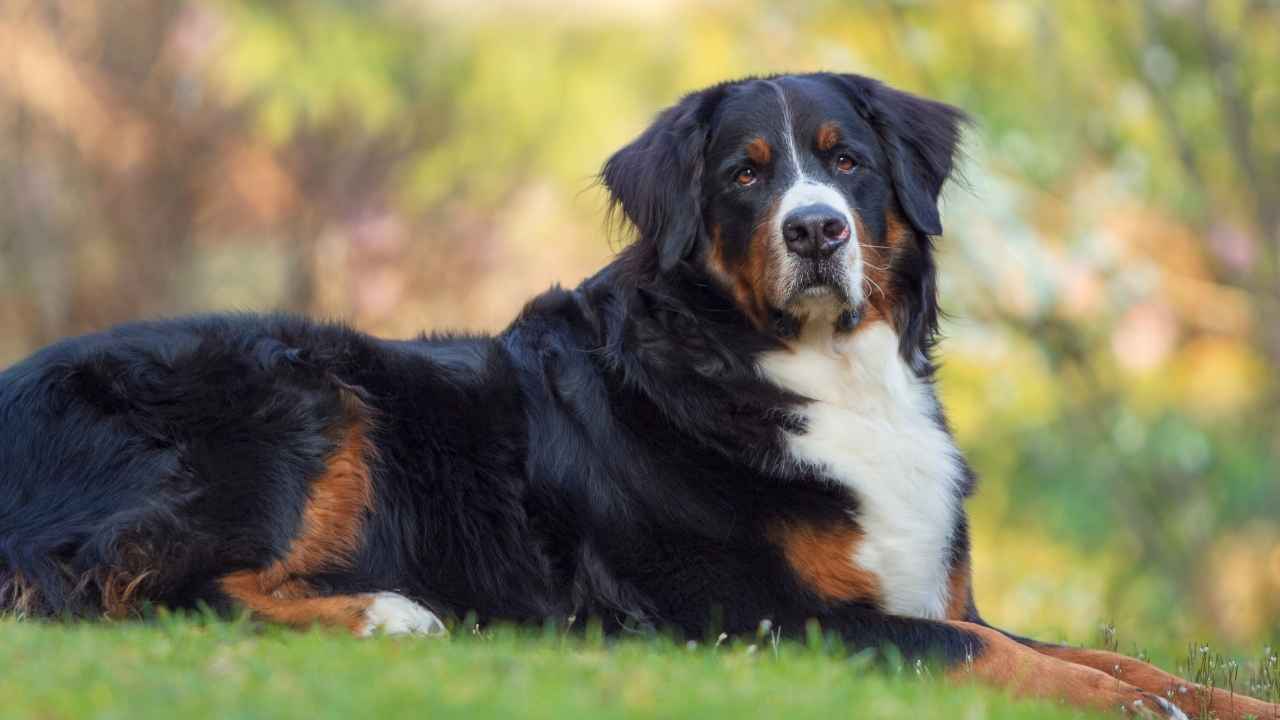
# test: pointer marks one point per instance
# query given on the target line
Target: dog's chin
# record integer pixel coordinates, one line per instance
(824, 305)
(817, 301)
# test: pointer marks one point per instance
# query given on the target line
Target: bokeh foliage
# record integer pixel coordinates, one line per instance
(1111, 262)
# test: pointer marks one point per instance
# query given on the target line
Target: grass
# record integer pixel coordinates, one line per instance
(196, 667)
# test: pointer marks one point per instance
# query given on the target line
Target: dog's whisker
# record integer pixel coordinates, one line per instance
(867, 279)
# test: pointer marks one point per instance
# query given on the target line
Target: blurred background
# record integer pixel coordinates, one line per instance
(1111, 266)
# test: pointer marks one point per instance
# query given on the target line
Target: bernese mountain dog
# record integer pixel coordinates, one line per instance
(734, 421)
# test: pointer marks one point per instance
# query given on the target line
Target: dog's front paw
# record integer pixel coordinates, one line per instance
(1154, 706)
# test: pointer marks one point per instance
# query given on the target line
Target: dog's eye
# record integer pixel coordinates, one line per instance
(845, 163)
(745, 177)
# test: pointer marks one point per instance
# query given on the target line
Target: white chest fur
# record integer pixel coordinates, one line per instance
(871, 426)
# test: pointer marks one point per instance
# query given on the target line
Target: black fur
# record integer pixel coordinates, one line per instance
(656, 181)
(920, 138)
(614, 453)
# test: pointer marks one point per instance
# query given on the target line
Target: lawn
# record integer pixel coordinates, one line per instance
(198, 668)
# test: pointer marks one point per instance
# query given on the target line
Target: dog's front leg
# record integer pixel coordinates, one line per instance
(976, 653)
(1193, 699)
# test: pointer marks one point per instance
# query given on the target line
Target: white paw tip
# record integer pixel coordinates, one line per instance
(394, 614)
(1170, 709)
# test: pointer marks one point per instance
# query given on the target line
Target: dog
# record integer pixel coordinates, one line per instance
(734, 421)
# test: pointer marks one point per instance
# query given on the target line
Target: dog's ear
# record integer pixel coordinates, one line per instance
(656, 181)
(921, 138)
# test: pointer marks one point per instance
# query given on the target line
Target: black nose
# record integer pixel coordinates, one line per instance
(815, 231)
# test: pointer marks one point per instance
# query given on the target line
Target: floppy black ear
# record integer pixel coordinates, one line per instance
(921, 138)
(657, 179)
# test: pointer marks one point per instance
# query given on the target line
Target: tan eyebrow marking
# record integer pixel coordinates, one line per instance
(828, 135)
(759, 151)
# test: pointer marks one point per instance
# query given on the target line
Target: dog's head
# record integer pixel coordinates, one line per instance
(807, 198)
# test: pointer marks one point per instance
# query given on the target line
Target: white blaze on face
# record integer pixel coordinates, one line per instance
(805, 191)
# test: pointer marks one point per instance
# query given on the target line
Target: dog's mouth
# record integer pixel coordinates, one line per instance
(821, 282)
(817, 291)
(821, 297)
(822, 293)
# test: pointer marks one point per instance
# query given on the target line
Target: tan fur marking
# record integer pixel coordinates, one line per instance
(877, 257)
(346, 611)
(759, 151)
(958, 591)
(329, 534)
(877, 285)
(717, 265)
(828, 135)
(896, 230)
(747, 279)
(121, 583)
(119, 587)
(754, 279)
(1191, 698)
(116, 587)
(334, 513)
(18, 596)
(1009, 665)
(823, 559)
(715, 258)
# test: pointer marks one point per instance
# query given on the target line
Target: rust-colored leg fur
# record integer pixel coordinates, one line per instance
(1007, 664)
(328, 536)
(1193, 699)
(1090, 678)
(291, 604)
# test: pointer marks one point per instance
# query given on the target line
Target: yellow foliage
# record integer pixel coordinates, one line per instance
(1218, 377)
